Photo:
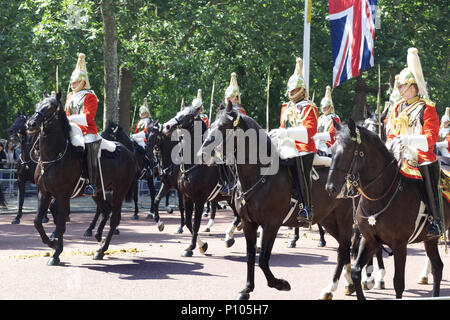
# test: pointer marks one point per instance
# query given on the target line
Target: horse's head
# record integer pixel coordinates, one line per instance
(155, 137)
(348, 157)
(112, 131)
(17, 129)
(48, 110)
(184, 119)
(221, 130)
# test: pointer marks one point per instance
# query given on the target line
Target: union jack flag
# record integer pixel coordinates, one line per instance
(352, 24)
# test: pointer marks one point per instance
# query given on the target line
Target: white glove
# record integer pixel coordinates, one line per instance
(138, 136)
(418, 141)
(78, 119)
(442, 144)
(298, 133)
(322, 136)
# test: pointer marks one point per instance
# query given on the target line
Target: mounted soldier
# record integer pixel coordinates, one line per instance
(142, 124)
(232, 94)
(81, 107)
(326, 134)
(413, 133)
(299, 116)
(198, 103)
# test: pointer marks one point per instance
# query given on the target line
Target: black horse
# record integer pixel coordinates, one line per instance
(391, 205)
(265, 200)
(197, 182)
(25, 164)
(59, 170)
(161, 146)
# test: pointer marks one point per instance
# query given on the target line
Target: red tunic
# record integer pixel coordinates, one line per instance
(205, 119)
(86, 105)
(309, 116)
(424, 120)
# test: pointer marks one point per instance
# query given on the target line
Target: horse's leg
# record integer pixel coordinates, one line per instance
(113, 223)
(208, 209)
(322, 243)
(21, 185)
(368, 280)
(423, 279)
(213, 216)
(162, 192)
(399, 251)
(168, 207)
(268, 238)
(62, 209)
(379, 277)
(151, 188)
(105, 209)
(432, 251)
(181, 207)
(43, 203)
(229, 236)
(136, 199)
(198, 210)
(293, 243)
(189, 208)
(364, 254)
(88, 232)
(250, 232)
(343, 259)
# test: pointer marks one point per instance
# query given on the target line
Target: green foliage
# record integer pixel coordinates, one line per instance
(175, 47)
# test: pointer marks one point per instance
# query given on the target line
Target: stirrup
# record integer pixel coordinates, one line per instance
(434, 230)
(90, 190)
(304, 214)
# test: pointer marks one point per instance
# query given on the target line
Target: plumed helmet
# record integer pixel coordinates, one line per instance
(144, 107)
(233, 89)
(326, 101)
(197, 102)
(80, 72)
(412, 74)
(296, 80)
(395, 94)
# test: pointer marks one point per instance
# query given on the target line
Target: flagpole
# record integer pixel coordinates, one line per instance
(267, 105)
(211, 104)
(306, 43)
(56, 79)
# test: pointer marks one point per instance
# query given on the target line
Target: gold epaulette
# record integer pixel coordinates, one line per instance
(428, 102)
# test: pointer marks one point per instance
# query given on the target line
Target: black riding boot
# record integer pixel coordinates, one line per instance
(304, 166)
(431, 174)
(92, 164)
(226, 187)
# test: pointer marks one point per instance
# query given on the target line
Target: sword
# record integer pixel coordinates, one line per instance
(211, 104)
(267, 105)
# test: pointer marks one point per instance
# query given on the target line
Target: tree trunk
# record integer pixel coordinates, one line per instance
(111, 108)
(359, 101)
(125, 82)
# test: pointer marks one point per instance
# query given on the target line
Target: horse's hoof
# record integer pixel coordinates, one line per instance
(423, 280)
(150, 216)
(160, 226)
(116, 231)
(179, 230)
(379, 285)
(326, 296)
(44, 220)
(88, 233)
(229, 243)
(281, 285)
(207, 229)
(204, 248)
(368, 285)
(99, 255)
(292, 244)
(321, 244)
(54, 261)
(243, 296)
(15, 221)
(169, 210)
(135, 217)
(349, 289)
(187, 253)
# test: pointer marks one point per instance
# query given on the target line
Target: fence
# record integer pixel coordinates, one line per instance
(9, 186)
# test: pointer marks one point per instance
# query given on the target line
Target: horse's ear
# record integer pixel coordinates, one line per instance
(229, 106)
(156, 123)
(352, 127)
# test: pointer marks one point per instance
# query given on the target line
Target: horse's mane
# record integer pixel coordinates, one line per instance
(64, 120)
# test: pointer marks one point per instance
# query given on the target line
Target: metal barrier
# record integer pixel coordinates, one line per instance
(8, 183)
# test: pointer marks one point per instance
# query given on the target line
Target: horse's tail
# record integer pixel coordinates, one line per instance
(2, 199)
(131, 191)
(356, 240)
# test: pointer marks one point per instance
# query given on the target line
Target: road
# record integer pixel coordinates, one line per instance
(147, 264)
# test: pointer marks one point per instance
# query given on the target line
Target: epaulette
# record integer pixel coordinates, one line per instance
(428, 102)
